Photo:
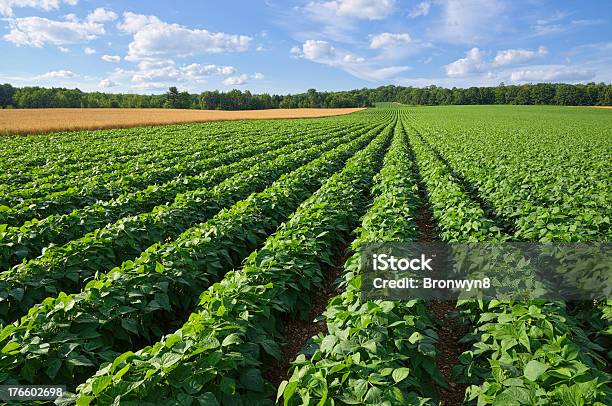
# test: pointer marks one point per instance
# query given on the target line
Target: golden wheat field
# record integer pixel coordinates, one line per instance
(33, 121)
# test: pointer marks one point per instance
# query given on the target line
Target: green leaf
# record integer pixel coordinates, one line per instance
(281, 389)
(169, 359)
(121, 358)
(207, 399)
(84, 400)
(360, 387)
(230, 339)
(328, 343)
(400, 374)
(17, 293)
(534, 369)
(121, 372)
(415, 337)
(11, 348)
(374, 396)
(53, 366)
(172, 339)
(79, 360)
(514, 395)
(289, 391)
(251, 379)
(513, 382)
(386, 371)
(228, 385)
(100, 383)
(129, 325)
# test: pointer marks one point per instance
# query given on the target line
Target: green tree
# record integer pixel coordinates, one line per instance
(172, 98)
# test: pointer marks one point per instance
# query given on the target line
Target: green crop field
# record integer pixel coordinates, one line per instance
(219, 263)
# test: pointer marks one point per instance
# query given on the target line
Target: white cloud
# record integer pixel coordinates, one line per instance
(516, 56)
(360, 9)
(515, 65)
(89, 51)
(196, 70)
(243, 79)
(38, 32)
(316, 50)
(324, 53)
(388, 40)
(236, 80)
(63, 50)
(154, 74)
(421, 9)
(475, 62)
(165, 71)
(551, 73)
(106, 83)
(155, 39)
(132, 22)
(472, 63)
(396, 46)
(58, 74)
(111, 58)
(551, 24)
(335, 20)
(557, 23)
(469, 21)
(6, 6)
(101, 15)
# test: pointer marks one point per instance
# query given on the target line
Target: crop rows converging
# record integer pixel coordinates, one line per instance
(220, 263)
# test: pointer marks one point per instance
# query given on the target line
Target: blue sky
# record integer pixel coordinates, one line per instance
(289, 46)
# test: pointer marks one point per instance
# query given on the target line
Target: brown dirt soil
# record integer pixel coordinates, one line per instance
(34, 121)
(450, 329)
(602, 107)
(298, 332)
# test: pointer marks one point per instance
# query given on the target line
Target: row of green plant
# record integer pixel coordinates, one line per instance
(27, 241)
(221, 353)
(142, 299)
(545, 178)
(28, 159)
(529, 352)
(23, 156)
(102, 187)
(541, 188)
(56, 176)
(374, 351)
(66, 268)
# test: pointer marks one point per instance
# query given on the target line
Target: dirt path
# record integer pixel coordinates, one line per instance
(450, 330)
(298, 332)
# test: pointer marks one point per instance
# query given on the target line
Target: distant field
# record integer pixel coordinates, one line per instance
(31, 121)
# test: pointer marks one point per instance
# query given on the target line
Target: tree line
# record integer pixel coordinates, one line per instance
(591, 94)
